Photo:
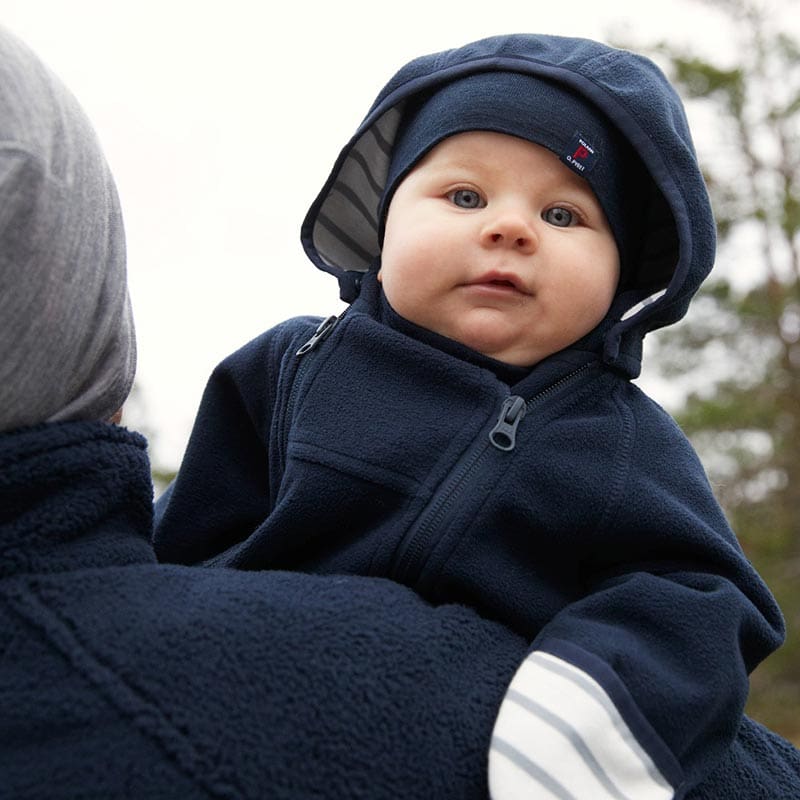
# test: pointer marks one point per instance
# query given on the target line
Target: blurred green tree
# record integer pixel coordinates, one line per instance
(738, 351)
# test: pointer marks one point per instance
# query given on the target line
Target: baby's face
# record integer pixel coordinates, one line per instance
(493, 242)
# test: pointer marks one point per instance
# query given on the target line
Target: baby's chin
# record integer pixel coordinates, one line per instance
(497, 344)
(512, 357)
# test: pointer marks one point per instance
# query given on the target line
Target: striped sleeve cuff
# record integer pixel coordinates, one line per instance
(559, 735)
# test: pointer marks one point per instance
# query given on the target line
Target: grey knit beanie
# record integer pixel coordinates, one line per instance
(67, 346)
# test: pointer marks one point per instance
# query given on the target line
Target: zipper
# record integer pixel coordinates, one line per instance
(504, 434)
(503, 437)
(322, 332)
(437, 510)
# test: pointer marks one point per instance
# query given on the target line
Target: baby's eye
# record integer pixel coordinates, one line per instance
(560, 217)
(466, 198)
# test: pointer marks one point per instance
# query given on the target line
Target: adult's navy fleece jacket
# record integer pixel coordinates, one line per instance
(124, 678)
(566, 505)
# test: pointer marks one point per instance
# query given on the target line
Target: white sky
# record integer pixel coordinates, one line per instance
(221, 121)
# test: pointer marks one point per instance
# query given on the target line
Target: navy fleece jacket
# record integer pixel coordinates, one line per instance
(567, 505)
(124, 678)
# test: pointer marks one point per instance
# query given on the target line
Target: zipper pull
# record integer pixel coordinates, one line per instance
(504, 434)
(321, 333)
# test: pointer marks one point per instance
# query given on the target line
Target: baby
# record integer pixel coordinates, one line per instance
(509, 221)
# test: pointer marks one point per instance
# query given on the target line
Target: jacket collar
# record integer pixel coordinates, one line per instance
(527, 381)
(73, 495)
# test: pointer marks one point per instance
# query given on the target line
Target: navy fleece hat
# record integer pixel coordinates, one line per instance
(544, 113)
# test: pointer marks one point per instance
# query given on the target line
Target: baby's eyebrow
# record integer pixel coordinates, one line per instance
(469, 167)
(459, 165)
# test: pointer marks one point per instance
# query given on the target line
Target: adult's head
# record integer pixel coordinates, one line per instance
(67, 346)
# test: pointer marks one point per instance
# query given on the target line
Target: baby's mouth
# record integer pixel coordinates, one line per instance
(500, 282)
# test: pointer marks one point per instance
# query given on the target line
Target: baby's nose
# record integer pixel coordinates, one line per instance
(510, 230)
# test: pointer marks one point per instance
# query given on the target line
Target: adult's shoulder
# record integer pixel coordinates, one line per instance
(294, 684)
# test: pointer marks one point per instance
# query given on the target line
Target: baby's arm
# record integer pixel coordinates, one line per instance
(224, 489)
(636, 690)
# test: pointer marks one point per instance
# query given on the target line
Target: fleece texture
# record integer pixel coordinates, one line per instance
(123, 678)
(371, 454)
(565, 504)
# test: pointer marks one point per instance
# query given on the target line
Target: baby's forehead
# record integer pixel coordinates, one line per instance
(485, 145)
(491, 152)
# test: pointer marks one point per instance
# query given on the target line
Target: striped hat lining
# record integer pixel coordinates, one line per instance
(345, 233)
